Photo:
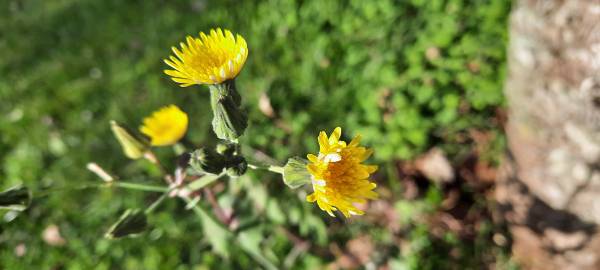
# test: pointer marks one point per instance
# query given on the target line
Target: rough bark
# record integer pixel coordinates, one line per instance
(549, 189)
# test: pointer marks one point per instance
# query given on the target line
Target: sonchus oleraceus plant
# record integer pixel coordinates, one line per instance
(337, 175)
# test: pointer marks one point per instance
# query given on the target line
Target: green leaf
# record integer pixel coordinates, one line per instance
(218, 235)
(249, 241)
(274, 212)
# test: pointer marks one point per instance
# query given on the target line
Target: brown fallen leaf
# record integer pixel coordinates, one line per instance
(358, 253)
(435, 166)
(264, 105)
(20, 250)
(51, 236)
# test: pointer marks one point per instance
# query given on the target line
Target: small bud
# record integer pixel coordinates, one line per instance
(229, 120)
(16, 198)
(134, 147)
(132, 222)
(207, 161)
(227, 149)
(295, 173)
(237, 166)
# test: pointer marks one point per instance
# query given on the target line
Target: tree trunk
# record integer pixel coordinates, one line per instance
(549, 188)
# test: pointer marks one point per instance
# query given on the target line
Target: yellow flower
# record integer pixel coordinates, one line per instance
(339, 179)
(165, 126)
(209, 59)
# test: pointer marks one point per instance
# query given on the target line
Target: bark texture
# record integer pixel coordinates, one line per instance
(549, 188)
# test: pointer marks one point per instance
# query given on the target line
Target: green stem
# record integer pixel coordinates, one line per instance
(204, 181)
(136, 186)
(276, 169)
(271, 168)
(257, 167)
(156, 203)
(115, 184)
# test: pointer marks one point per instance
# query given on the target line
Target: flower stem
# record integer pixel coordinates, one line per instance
(136, 186)
(204, 181)
(276, 169)
(115, 184)
(155, 204)
(271, 168)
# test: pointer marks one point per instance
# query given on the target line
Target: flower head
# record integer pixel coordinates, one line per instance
(339, 178)
(210, 59)
(165, 126)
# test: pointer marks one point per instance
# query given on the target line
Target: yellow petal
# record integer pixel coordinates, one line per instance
(355, 141)
(209, 59)
(335, 135)
(323, 141)
(165, 126)
(372, 168)
(342, 178)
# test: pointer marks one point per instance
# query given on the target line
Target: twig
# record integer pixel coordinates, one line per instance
(100, 172)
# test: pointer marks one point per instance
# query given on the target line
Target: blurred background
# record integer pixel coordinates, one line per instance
(420, 80)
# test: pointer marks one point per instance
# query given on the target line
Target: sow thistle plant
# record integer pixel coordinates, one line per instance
(339, 179)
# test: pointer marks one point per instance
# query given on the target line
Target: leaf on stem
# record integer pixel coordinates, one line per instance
(218, 235)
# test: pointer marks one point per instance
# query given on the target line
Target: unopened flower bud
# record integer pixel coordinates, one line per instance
(132, 222)
(207, 161)
(16, 198)
(227, 149)
(133, 146)
(237, 166)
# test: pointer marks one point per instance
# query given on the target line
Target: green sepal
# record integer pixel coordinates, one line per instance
(228, 149)
(131, 223)
(207, 161)
(134, 146)
(295, 173)
(237, 166)
(229, 120)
